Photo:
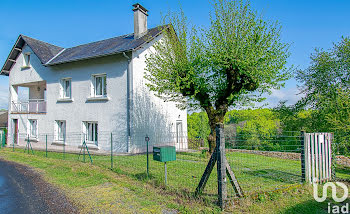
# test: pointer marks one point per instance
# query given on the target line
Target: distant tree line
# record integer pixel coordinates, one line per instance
(268, 129)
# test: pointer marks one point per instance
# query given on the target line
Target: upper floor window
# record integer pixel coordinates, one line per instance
(99, 85)
(66, 88)
(33, 128)
(26, 59)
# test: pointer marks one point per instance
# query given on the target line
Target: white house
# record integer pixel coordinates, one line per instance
(88, 92)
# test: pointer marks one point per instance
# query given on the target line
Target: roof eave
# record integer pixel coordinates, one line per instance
(7, 72)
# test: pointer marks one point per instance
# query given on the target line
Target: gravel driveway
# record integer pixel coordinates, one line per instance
(22, 190)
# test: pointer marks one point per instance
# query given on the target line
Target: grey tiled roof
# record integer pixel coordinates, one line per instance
(105, 47)
(43, 50)
(52, 55)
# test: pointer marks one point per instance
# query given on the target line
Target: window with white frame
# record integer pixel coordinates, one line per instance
(60, 130)
(66, 88)
(90, 131)
(26, 59)
(99, 85)
(33, 128)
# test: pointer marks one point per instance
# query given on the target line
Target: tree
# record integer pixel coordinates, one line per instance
(325, 85)
(230, 63)
(328, 73)
(255, 129)
(198, 128)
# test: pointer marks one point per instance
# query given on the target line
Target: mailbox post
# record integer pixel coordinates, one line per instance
(164, 154)
(147, 141)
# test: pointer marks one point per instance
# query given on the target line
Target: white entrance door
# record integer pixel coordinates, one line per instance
(179, 134)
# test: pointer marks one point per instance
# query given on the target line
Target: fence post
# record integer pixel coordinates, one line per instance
(5, 139)
(333, 157)
(64, 147)
(111, 151)
(302, 144)
(46, 146)
(84, 151)
(165, 174)
(13, 143)
(221, 165)
(28, 143)
(147, 141)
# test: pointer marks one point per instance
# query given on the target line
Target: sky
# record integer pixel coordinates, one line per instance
(306, 25)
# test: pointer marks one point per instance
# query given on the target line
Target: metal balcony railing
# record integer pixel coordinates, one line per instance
(30, 106)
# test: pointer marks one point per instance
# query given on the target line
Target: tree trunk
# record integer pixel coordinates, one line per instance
(213, 120)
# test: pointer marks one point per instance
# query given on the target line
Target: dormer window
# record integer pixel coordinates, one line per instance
(26, 60)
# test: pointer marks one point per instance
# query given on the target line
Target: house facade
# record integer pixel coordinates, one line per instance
(93, 93)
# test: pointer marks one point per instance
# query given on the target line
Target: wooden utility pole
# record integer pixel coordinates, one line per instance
(223, 169)
(220, 142)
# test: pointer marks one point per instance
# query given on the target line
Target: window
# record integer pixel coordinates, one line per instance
(66, 89)
(60, 130)
(26, 61)
(99, 85)
(33, 129)
(91, 132)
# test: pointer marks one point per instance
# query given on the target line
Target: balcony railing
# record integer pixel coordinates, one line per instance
(30, 106)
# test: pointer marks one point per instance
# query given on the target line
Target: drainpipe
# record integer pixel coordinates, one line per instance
(129, 100)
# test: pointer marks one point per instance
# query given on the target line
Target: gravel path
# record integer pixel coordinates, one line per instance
(22, 190)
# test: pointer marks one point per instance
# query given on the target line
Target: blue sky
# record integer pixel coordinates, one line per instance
(306, 25)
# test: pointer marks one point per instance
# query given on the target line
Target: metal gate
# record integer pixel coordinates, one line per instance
(318, 157)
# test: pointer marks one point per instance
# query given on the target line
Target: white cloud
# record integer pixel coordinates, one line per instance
(291, 95)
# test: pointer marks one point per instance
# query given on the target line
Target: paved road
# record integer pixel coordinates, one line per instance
(22, 190)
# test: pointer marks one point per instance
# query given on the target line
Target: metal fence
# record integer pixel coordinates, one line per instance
(260, 162)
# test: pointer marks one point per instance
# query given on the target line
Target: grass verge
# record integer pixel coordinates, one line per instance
(125, 189)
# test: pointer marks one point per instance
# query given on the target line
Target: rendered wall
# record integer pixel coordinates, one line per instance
(151, 115)
(110, 115)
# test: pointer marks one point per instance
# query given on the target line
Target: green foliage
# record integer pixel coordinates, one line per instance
(254, 129)
(333, 115)
(198, 127)
(248, 129)
(230, 63)
(294, 119)
(325, 106)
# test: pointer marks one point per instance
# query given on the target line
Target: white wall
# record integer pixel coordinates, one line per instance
(110, 115)
(151, 115)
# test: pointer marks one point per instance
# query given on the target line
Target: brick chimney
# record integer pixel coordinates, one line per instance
(140, 20)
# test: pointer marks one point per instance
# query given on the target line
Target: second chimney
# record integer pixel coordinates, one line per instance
(140, 20)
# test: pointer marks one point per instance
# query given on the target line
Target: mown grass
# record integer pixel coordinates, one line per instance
(125, 188)
(255, 173)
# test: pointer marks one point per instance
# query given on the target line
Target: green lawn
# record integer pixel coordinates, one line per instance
(126, 187)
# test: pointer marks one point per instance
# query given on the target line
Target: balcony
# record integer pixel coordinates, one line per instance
(32, 106)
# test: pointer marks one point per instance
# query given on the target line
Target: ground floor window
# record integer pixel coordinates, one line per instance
(33, 128)
(60, 130)
(91, 132)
